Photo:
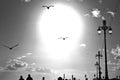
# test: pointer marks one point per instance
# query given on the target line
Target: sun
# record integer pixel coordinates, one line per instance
(60, 21)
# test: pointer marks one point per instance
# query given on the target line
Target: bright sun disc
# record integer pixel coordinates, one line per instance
(60, 21)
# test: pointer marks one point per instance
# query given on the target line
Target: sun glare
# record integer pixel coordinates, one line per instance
(60, 21)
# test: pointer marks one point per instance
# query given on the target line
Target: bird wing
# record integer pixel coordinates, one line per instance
(63, 37)
(66, 37)
(51, 6)
(44, 6)
(5, 46)
(60, 37)
(15, 46)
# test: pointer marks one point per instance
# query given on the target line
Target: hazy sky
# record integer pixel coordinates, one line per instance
(41, 51)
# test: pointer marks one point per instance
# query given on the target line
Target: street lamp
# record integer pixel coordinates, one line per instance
(105, 28)
(97, 65)
(99, 56)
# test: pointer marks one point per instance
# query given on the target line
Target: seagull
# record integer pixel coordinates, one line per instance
(63, 38)
(10, 48)
(48, 7)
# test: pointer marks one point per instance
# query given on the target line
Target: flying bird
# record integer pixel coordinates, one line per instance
(48, 7)
(10, 48)
(63, 38)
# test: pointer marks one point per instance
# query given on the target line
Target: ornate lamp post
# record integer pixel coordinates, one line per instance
(105, 28)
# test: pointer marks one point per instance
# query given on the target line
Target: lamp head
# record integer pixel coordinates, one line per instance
(110, 30)
(99, 30)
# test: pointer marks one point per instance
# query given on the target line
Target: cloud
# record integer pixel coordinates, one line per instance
(100, 1)
(27, 0)
(83, 45)
(21, 57)
(15, 64)
(43, 70)
(116, 66)
(81, 0)
(111, 63)
(116, 52)
(11, 68)
(1, 68)
(96, 12)
(117, 57)
(111, 13)
(38, 69)
(29, 54)
(24, 56)
(33, 64)
(30, 69)
(87, 15)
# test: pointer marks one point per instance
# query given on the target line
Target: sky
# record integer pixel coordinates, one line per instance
(40, 33)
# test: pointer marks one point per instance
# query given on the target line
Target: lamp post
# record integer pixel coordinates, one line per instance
(105, 28)
(99, 56)
(97, 64)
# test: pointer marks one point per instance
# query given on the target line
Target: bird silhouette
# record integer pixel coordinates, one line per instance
(10, 48)
(63, 38)
(48, 7)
